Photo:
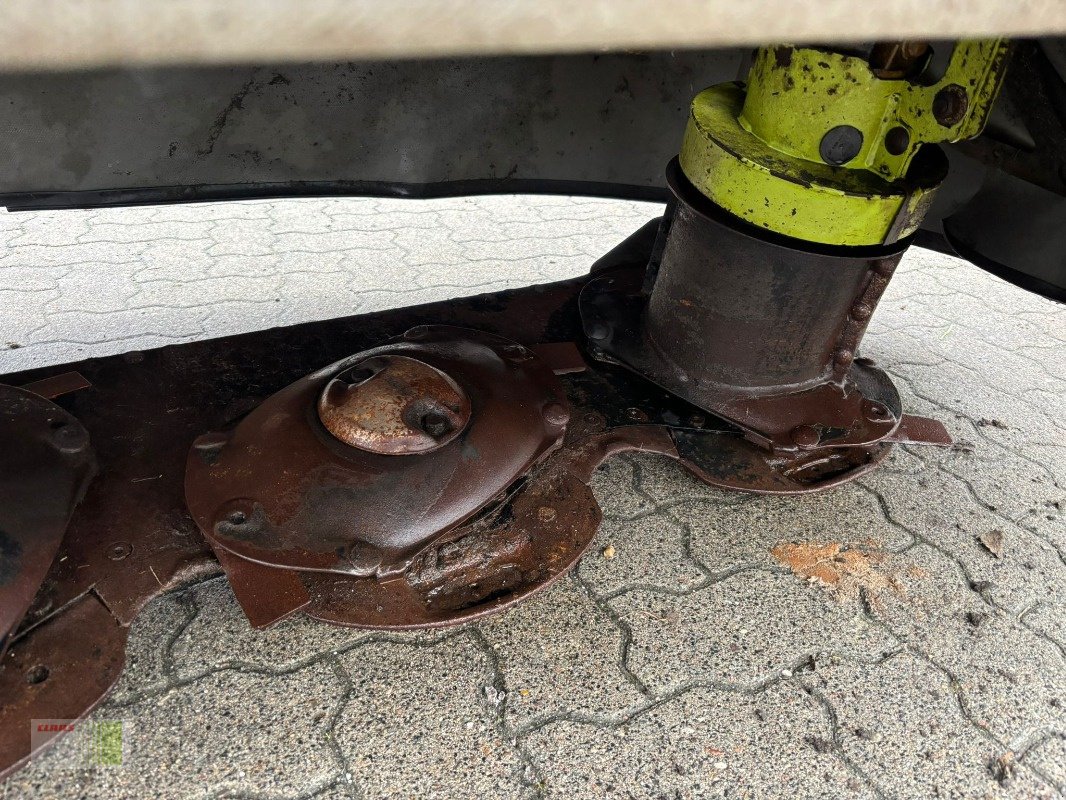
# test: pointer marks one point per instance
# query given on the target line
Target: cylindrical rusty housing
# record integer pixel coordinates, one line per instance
(734, 306)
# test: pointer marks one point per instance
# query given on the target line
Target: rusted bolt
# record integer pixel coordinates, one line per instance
(517, 353)
(861, 312)
(637, 414)
(394, 405)
(435, 424)
(556, 414)
(843, 358)
(546, 513)
(119, 550)
(950, 104)
(806, 436)
(69, 438)
(37, 674)
(897, 140)
(876, 412)
(599, 331)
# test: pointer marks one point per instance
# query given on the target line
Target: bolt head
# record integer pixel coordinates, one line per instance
(546, 513)
(556, 414)
(637, 414)
(806, 436)
(840, 145)
(897, 140)
(119, 551)
(876, 412)
(598, 331)
(517, 353)
(69, 438)
(949, 105)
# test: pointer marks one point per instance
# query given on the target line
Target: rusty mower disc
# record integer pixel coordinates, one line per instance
(358, 470)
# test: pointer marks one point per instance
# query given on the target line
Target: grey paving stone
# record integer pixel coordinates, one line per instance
(707, 743)
(902, 461)
(342, 790)
(219, 619)
(615, 485)
(900, 723)
(1048, 521)
(1016, 699)
(937, 613)
(425, 722)
(744, 630)
(216, 733)
(393, 252)
(147, 649)
(648, 551)
(1049, 758)
(729, 537)
(666, 482)
(939, 509)
(1012, 485)
(1050, 620)
(965, 392)
(560, 654)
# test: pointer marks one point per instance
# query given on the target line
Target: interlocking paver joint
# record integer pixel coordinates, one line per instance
(681, 658)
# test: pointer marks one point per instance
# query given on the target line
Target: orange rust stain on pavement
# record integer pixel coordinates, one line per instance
(848, 572)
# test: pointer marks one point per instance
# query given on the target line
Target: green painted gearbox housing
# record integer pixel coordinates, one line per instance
(755, 149)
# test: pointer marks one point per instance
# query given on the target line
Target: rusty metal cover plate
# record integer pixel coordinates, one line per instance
(59, 672)
(282, 490)
(47, 464)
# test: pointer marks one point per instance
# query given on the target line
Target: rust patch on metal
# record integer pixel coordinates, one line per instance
(435, 537)
(394, 405)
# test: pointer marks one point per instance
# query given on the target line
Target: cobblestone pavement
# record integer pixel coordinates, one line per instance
(682, 658)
